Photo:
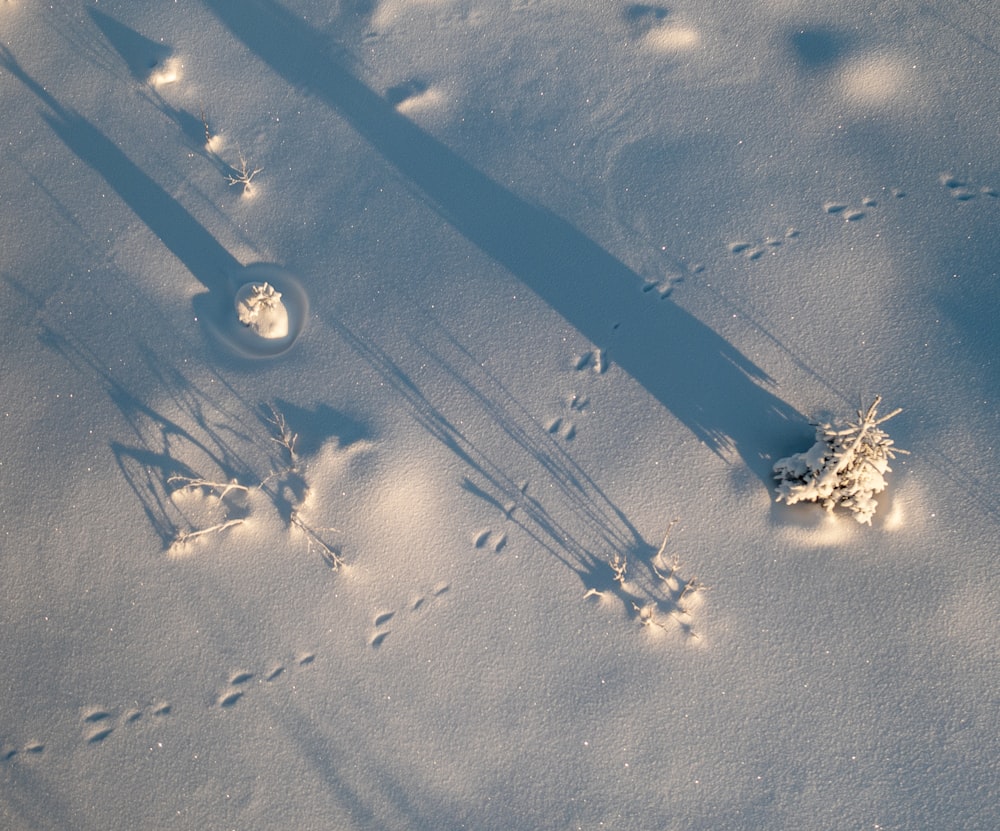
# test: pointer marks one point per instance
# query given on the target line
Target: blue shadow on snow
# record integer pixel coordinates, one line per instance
(696, 374)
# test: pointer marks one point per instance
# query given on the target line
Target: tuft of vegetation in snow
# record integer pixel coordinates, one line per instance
(845, 467)
(259, 306)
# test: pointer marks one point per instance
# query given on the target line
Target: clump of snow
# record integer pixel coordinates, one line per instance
(168, 73)
(259, 307)
(845, 467)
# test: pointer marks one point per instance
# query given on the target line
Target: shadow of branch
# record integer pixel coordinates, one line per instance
(714, 390)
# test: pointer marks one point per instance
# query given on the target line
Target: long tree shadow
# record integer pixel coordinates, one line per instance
(571, 518)
(185, 237)
(702, 379)
(160, 445)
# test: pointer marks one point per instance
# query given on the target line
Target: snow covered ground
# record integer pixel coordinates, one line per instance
(489, 539)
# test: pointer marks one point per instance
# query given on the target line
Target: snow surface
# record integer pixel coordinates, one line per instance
(563, 273)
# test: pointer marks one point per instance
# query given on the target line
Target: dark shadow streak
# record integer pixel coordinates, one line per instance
(148, 464)
(186, 238)
(367, 791)
(601, 529)
(705, 382)
(140, 54)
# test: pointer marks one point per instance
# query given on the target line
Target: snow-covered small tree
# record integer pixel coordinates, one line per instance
(844, 468)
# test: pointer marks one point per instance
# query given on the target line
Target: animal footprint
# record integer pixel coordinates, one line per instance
(382, 618)
(99, 724)
(562, 427)
(8, 753)
(754, 250)
(412, 88)
(229, 697)
(962, 191)
(595, 359)
(157, 711)
(663, 287)
(239, 680)
(850, 213)
(436, 592)
(641, 17)
(488, 538)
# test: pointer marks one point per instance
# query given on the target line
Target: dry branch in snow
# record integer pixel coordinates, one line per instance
(242, 175)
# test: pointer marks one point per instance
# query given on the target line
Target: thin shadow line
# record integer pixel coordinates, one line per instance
(970, 31)
(701, 378)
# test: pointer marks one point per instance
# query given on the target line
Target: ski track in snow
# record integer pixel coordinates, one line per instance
(103, 727)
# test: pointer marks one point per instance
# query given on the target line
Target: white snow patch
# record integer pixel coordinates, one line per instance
(169, 73)
(672, 39)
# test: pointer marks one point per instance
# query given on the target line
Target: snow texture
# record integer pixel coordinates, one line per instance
(488, 539)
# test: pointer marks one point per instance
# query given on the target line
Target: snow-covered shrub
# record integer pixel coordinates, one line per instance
(259, 306)
(844, 468)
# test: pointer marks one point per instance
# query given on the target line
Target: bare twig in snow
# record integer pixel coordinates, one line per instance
(242, 175)
(284, 435)
(184, 536)
(331, 556)
(618, 565)
(218, 488)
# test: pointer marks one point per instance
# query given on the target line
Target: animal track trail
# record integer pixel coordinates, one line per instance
(593, 359)
(11, 753)
(98, 724)
(757, 248)
(381, 620)
(854, 212)
(487, 538)
(962, 190)
(664, 286)
(239, 684)
(102, 726)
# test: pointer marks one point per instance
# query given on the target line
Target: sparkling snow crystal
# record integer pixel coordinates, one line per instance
(844, 468)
